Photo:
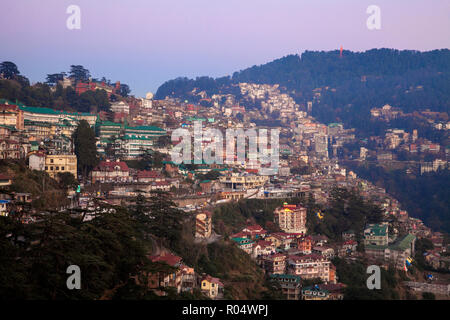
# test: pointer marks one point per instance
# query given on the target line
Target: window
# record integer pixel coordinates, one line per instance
(51, 160)
(46, 168)
(62, 168)
(51, 168)
(57, 168)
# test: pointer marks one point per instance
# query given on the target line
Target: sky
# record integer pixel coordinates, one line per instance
(144, 43)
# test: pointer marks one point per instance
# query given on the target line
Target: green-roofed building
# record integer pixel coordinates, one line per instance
(376, 234)
(290, 285)
(395, 253)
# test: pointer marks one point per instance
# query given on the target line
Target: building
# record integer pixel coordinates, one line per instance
(164, 279)
(310, 266)
(396, 253)
(203, 224)
(36, 161)
(290, 285)
(111, 171)
(61, 163)
(56, 116)
(244, 244)
(237, 181)
(120, 107)
(274, 263)
(212, 287)
(376, 234)
(291, 218)
(314, 293)
(11, 115)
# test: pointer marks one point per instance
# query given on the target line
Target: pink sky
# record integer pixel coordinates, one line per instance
(144, 42)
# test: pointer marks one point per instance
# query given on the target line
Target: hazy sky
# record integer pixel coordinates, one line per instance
(146, 42)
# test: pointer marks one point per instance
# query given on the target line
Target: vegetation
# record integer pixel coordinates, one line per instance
(354, 275)
(85, 148)
(410, 80)
(426, 196)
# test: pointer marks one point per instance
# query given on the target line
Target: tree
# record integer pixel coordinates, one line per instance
(124, 90)
(67, 180)
(53, 78)
(9, 69)
(79, 73)
(85, 148)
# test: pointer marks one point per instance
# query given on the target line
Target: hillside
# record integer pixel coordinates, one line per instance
(410, 80)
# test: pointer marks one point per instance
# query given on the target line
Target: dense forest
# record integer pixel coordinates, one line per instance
(410, 80)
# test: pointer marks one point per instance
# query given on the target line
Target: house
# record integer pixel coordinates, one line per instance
(4, 207)
(347, 247)
(335, 290)
(304, 244)
(5, 180)
(244, 244)
(290, 285)
(111, 171)
(254, 232)
(10, 148)
(211, 287)
(314, 293)
(61, 163)
(348, 235)
(324, 251)
(162, 279)
(146, 176)
(36, 161)
(274, 263)
(310, 266)
(188, 279)
(376, 234)
(319, 240)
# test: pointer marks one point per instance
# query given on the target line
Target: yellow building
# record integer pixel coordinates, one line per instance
(212, 287)
(61, 163)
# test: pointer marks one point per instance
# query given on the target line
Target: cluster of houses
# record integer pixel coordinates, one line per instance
(183, 279)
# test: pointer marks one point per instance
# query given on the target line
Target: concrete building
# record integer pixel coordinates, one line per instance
(291, 218)
(60, 163)
(203, 224)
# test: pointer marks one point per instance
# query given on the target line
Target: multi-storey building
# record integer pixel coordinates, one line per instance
(239, 182)
(111, 171)
(203, 225)
(291, 218)
(376, 234)
(310, 266)
(60, 163)
(274, 263)
(290, 285)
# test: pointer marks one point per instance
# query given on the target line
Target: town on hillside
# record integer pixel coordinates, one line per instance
(298, 230)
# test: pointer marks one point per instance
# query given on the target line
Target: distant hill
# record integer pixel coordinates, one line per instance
(410, 80)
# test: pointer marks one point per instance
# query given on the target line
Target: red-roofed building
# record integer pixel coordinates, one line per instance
(164, 279)
(254, 231)
(111, 171)
(149, 176)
